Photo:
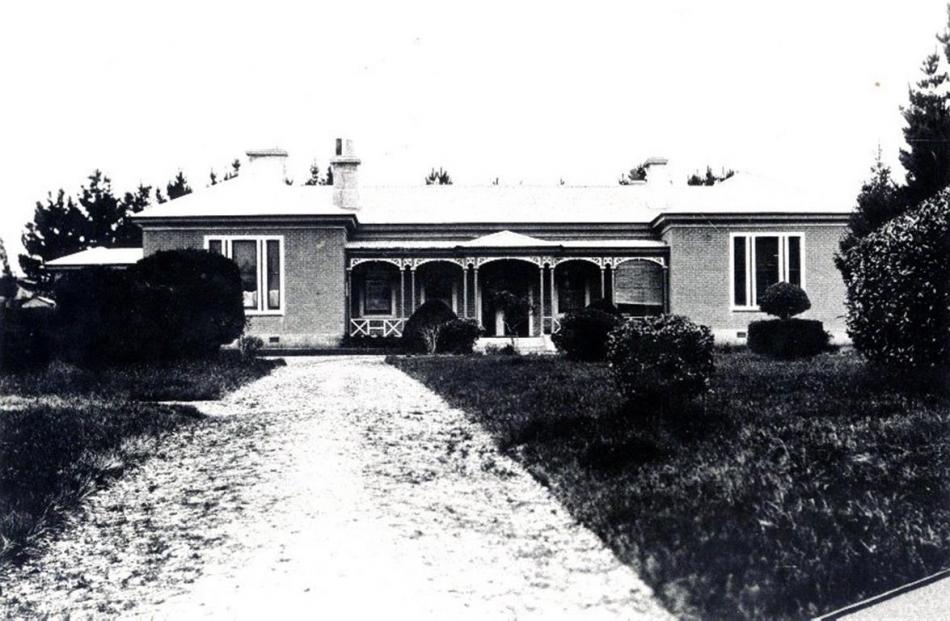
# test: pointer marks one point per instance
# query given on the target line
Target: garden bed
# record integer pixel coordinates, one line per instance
(793, 488)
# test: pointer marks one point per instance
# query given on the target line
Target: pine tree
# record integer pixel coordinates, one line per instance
(63, 226)
(102, 210)
(177, 187)
(710, 178)
(634, 175)
(438, 178)
(59, 227)
(231, 174)
(235, 169)
(878, 202)
(7, 280)
(127, 233)
(927, 156)
(316, 178)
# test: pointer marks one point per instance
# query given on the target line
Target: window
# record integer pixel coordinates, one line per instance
(273, 274)
(571, 290)
(260, 261)
(760, 260)
(638, 283)
(378, 296)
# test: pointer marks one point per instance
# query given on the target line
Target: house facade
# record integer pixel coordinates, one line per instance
(322, 263)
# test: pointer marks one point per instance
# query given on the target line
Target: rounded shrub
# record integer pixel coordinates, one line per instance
(175, 304)
(898, 288)
(788, 338)
(660, 360)
(457, 336)
(784, 300)
(203, 301)
(583, 335)
(422, 329)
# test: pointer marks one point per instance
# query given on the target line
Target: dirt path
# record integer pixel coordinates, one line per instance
(334, 487)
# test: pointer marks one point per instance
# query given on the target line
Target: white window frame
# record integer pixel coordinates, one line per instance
(262, 281)
(750, 283)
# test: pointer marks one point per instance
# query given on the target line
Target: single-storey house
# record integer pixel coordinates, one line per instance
(320, 263)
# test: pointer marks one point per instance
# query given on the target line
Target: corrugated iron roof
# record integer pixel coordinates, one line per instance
(743, 193)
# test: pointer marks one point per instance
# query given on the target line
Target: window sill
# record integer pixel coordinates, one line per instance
(257, 313)
(745, 309)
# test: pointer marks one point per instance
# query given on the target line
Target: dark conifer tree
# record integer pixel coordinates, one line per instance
(177, 187)
(440, 177)
(878, 202)
(633, 175)
(927, 133)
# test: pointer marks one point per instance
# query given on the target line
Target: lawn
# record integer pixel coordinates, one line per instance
(187, 380)
(793, 488)
(64, 431)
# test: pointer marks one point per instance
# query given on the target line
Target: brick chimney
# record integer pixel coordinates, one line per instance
(266, 165)
(658, 171)
(346, 189)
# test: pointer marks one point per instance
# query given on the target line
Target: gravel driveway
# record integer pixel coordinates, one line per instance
(336, 486)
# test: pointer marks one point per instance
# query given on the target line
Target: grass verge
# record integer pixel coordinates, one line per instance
(186, 380)
(67, 430)
(792, 489)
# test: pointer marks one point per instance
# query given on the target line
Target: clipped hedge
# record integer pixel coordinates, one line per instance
(583, 335)
(422, 328)
(788, 338)
(898, 288)
(660, 360)
(457, 336)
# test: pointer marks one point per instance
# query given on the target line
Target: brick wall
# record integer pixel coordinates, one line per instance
(314, 281)
(700, 279)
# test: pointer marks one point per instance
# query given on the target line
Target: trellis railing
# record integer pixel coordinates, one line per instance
(376, 327)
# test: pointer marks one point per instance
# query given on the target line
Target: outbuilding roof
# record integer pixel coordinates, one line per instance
(109, 257)
(640, 203)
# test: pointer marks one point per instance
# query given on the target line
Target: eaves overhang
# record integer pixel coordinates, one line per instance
(349, 222)
(664, 221)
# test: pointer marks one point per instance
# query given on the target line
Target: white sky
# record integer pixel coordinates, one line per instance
(528, 92)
